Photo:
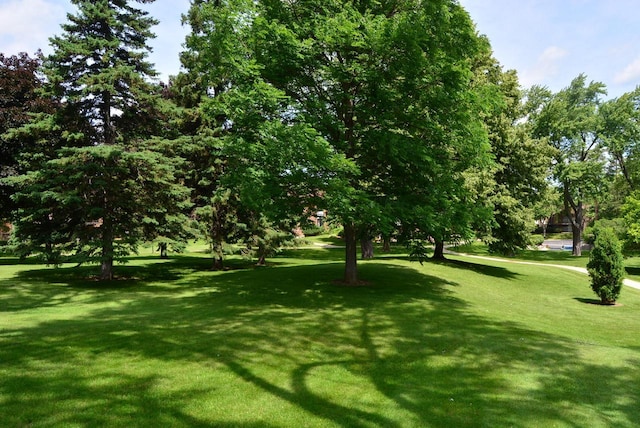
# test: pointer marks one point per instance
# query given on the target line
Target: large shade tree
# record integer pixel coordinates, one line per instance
(260, 166)
(108, 189)
(386, 85)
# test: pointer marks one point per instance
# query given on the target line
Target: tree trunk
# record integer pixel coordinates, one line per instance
(366, 247)
(577, 240)
(386, 244)
(262, 255)
(217, 256)
(438, 252)
(106, 268)
(162, 247)
(217, 263)
(577, 225)
(351, 255)
(262, 260)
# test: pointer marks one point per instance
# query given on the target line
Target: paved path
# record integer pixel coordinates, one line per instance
(628, 282)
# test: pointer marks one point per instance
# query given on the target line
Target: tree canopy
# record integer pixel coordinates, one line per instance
(386, 85)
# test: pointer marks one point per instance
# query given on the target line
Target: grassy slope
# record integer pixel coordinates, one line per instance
(460, 343)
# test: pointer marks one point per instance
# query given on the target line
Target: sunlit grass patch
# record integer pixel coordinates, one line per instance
(464, 342)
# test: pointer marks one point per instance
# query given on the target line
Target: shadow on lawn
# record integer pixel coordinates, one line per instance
(488, 270)
(403, 352)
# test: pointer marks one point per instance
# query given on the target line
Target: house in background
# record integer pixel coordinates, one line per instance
(5, 231)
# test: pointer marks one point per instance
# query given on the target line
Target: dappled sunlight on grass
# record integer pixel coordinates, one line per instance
(454, 343)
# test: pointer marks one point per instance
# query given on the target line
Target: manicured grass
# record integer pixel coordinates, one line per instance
(458, 343)
(539, 256)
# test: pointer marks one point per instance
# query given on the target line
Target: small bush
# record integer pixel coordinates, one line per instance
(418, 250)
(605, 266)
(537, 240)
(617, 224)
(312, 230)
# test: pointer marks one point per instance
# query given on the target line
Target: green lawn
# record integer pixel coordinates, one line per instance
(452, 344)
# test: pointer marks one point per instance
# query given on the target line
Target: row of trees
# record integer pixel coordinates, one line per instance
(393, 115)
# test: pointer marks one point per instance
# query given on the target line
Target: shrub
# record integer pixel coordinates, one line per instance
(537, 240)
(605, 266)
(418, 250)
(312, 230)
(618, 225)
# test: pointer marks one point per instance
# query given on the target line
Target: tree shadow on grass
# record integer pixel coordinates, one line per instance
(488, 270)
(405, 351)
(483, 269)
(632, 270)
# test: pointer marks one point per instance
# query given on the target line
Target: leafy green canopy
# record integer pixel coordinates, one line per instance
(99, 67)
(571, 120)
(386, 85)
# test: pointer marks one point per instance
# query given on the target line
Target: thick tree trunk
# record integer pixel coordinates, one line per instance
(577, 221)
(217, 263)
(351, 255)
(106, 269)
(577, 240)
(577, 226)
(262, 256)
(366, 248)
(438, 252)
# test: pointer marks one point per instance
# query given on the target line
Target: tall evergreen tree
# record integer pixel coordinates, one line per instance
(99, 74)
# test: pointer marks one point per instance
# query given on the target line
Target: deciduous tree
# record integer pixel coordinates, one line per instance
(387, 85)
(572, 123)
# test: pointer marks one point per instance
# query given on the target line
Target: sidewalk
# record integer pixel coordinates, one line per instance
(628, 282)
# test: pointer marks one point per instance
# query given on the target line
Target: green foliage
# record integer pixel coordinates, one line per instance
(621, 135)
(606, 267)
(19, 100)
(389, 88)
(617, 225)
(521, 162)
(419, 250)
(99, 186)
(536, 240)
(97, 203)
(571, 120)
(631, 210)
(311, 229)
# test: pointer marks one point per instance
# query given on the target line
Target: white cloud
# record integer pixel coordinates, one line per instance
(26, 25)
(631, 72)
(547, 65)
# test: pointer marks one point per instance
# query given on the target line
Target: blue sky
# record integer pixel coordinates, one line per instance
(549, 42)
(26, 25)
